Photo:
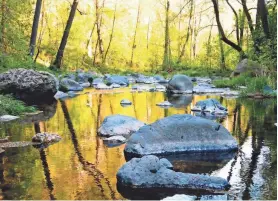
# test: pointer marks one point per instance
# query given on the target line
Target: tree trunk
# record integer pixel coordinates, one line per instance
(188, 32)
(237, 25)
(99, 23)
(148, 32)
(264, 17)
(43, 27)
(134, 37)
(59, 57)
(166, 58)
(221, 31)
(112, 32)
(36, 20)
(88, 42)
(222, 55)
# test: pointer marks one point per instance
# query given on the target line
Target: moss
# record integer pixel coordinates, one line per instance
(11, 106)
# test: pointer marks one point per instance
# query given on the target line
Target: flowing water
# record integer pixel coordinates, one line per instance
(81, 166)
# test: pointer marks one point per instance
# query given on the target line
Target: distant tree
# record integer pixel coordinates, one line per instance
(59, 56)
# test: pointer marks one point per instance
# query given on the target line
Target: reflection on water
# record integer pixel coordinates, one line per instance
(81, 166)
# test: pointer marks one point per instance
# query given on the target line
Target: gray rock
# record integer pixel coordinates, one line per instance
(46, 138)
(16, 144)
(248, 66)
(165, 104)
(178, 134)
(82, 77)
(126, 102)
(150, 172)
(142, 88)
(115, 86)
(5, 118)
(117, 79)
(181, 197)
(29, 84)
(230, 93)
(160, 79)
(70, 85)
(159, 87)
(203, 80)
(119, 125)
(85, 84)
(208, 89)
(180, 84)
(210, 105)
(98, 81)
(60, 95)
(115, 139)
(102, 86)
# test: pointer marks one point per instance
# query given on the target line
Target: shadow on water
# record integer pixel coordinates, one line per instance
(46, 170)
(87, 166)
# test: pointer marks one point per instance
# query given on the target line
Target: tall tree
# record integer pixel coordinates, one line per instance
(99, 17)
(35, 26)
(135, 33)
(59, 56)
(263, 14)
(188, 31)
(166, 58)
(221, 31)
(112, 33)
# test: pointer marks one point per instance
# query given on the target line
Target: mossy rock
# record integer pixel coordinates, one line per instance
(248, 66)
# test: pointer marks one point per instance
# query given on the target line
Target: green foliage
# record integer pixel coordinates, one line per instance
(11, 106)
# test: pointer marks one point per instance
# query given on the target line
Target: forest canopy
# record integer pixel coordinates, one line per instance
(138, 35)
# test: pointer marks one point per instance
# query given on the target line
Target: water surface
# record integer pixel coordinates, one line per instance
(81, 166)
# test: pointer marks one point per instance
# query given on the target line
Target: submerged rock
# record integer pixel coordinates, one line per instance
(180, 100)
(152, 172)
(70, 85)
(119, 125)
(46, 138)
(126, 102)
(210, 105)
(180, 84)
(5, 118)
(178, 134)
(29, 84)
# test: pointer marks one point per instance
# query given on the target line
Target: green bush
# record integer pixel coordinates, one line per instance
(11, 106)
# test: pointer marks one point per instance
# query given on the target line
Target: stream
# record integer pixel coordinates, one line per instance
(82, 167)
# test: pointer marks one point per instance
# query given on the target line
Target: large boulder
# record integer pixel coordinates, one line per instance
(70, 85)
(117, 79)
(29, 84)
(248, 66)
(180, 84)
(152, 172)
(119, 125)
(179, 134)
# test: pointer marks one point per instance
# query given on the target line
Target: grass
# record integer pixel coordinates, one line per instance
(11, 106)
(252, 84)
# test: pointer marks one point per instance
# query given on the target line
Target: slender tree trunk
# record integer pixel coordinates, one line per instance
(188, 32)
(166, 58)
(88, 42)
(112, 32)
(43, 27)
(36, 20)
(134, 36)
(209, 46)
(59, 57)
(221, 31)
(99, 23)
(251, 27)
(3, 26)
(148, 33)
(222, 54)
(237, 21)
